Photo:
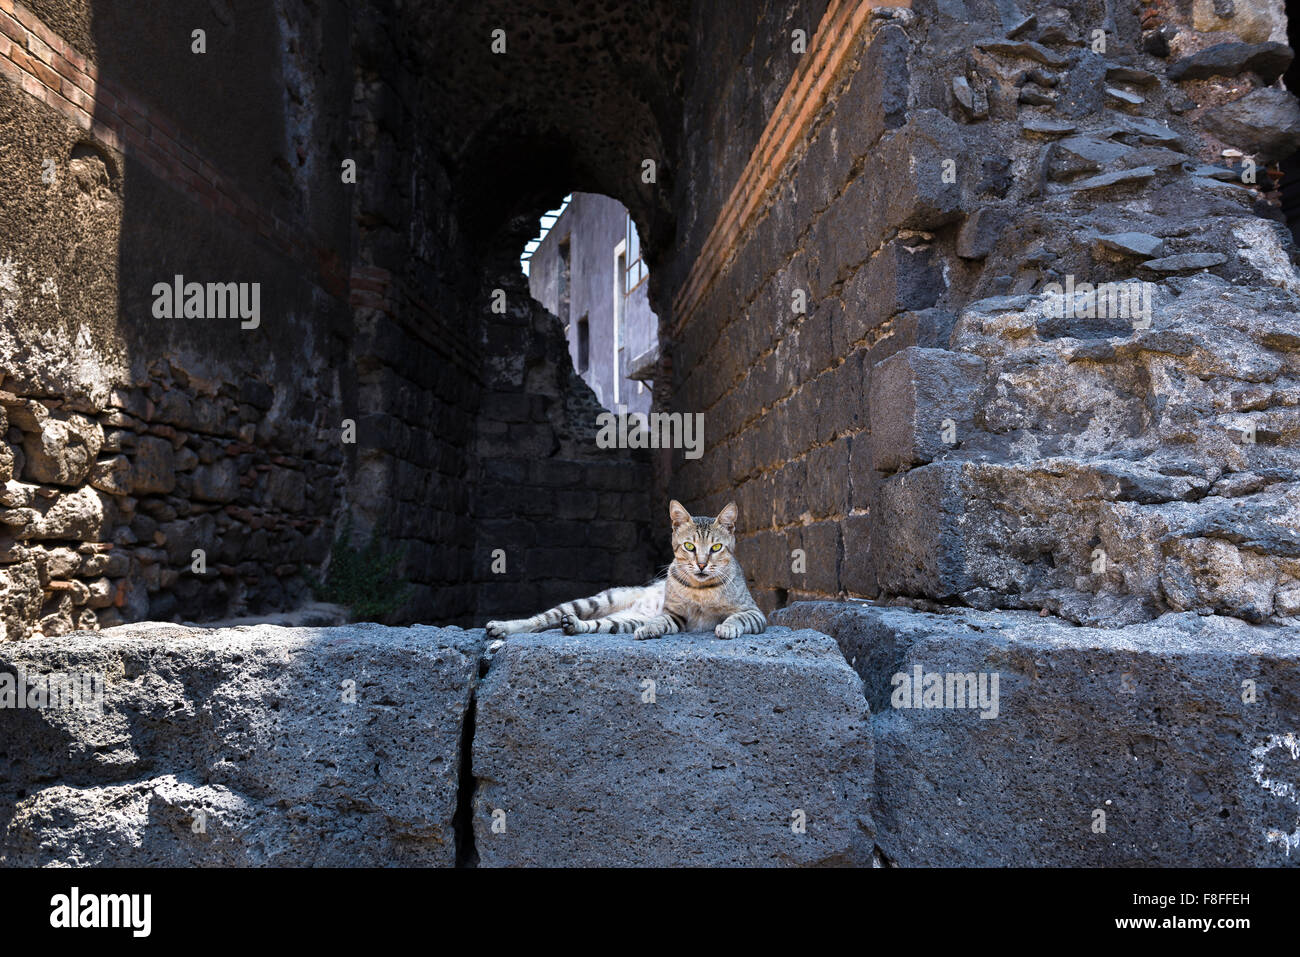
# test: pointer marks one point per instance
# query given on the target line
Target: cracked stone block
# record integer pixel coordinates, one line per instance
(682, 751)
(1178, 735)
(244, 746)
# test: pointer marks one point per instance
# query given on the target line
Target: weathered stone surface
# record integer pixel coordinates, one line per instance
(920, 146)
(1185, 262)
(1264, 123)
(84, 515)
(60, 562)
(1221, 173)
(1181, 730)
(1126, 177)
(980, 232)
(1066, 491)
(1132, 244)
(972, 99)
(112, 475)
(20, 599)
(153, 469)
(18, 494)
(1024, 48)
(1124, 97)
(218, 482)
(1078, 154)
(62, 450)
(924, 400)
(287, 489)
(242, 746)
(740, 736)
(1047, 127)
(1269, 60)
(1120, 73)
(1144, 130)
(1032, 95)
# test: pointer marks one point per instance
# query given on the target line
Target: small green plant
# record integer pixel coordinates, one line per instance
(366, 579)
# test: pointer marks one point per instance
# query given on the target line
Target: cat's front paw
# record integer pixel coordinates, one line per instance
(573, 625)
(728, 630)
(497, 629)
(648, 631)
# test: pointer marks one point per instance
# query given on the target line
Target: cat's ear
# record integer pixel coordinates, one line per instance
(727, 517)
(678, 514)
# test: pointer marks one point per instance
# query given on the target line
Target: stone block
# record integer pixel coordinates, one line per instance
(578, 767)
(1180, 731)
(62, 450)
(922, 404)
(250, 746)
(153, 466)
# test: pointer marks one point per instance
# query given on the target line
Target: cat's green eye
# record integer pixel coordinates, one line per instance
(716, 548)
(689, 546)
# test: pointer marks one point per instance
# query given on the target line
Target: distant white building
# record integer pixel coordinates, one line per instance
(588, 270)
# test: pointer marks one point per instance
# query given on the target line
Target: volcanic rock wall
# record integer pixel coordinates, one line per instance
(557, 516)
(160, 463)
(855, 223)
(166, 464)
(875, 306)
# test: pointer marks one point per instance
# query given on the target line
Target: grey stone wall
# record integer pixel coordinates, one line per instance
(1090, 464)
(925, 429)
(557, 517)
(130, 441)
(415, 352)
(151, 438)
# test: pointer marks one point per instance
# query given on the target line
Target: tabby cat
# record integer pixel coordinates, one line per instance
(704, 588)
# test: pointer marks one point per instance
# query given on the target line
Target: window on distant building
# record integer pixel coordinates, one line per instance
(563, 283)
(584, 345)
(636, 270)
(620, 293)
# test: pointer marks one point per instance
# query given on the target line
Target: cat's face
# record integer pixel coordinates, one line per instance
(703, 547)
